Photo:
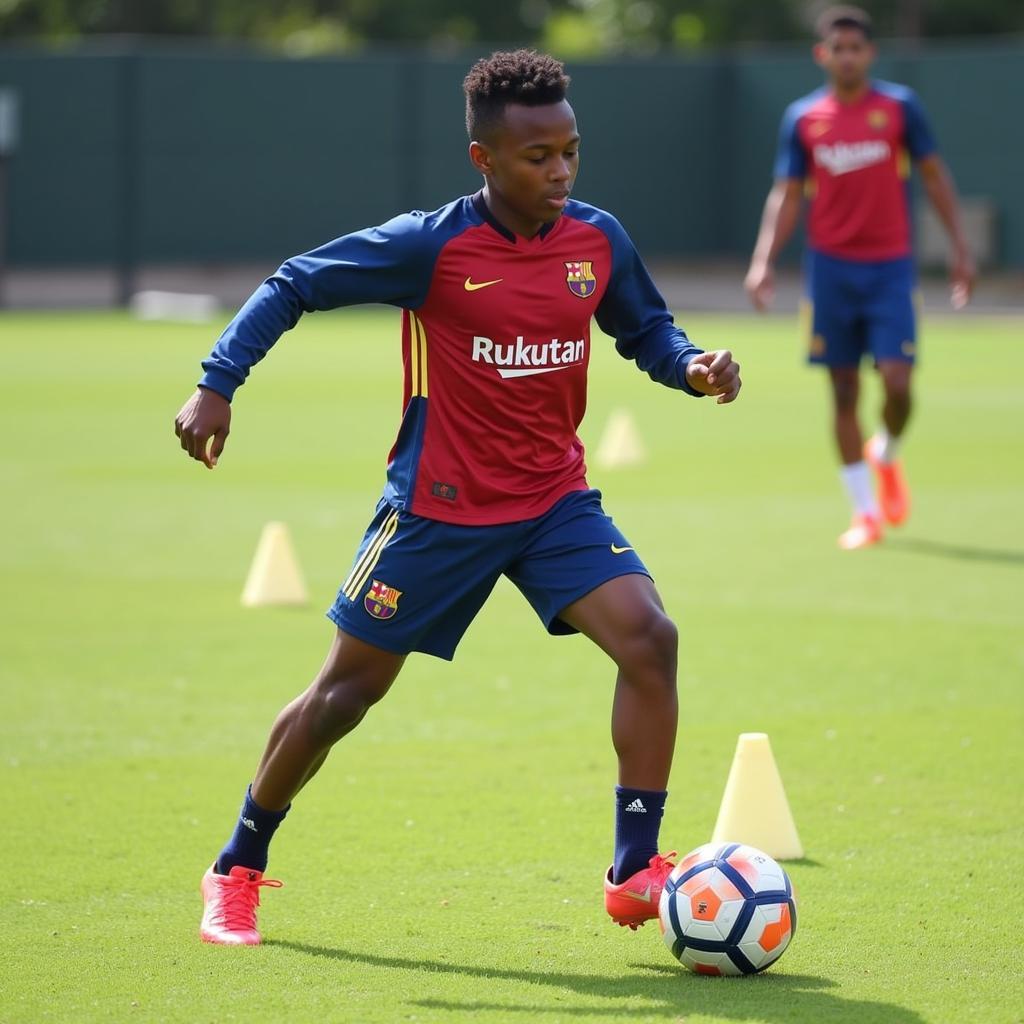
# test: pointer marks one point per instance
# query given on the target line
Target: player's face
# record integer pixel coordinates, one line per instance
(530, 164)
(846, 55)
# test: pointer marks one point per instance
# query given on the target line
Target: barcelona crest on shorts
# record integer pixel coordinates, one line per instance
(381, 601)
(579, 276)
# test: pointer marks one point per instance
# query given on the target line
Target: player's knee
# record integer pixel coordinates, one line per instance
(899, 401)
(845, 389)
(653, 649)
(336, 706)
(897, 386)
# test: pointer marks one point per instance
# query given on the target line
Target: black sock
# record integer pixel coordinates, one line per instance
(250, 842)
(637, 822)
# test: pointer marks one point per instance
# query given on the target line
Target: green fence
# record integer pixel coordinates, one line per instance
(164, 155)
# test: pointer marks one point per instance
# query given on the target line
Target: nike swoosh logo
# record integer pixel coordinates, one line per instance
(507, 374)
(472, 286)
(643, 897)
(616, 550)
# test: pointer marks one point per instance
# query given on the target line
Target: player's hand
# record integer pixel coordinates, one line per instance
(204, 416)
(715, 373)
(961, 279)
(760, 285)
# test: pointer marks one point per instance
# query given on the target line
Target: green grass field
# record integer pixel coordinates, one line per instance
(446, 864)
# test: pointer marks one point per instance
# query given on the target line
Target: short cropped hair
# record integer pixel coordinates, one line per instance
(844, 16)
(510, 76)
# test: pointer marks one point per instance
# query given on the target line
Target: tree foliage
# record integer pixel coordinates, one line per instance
(571, 27)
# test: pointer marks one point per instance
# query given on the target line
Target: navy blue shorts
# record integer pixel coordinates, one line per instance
(860, 309)
(416, 584)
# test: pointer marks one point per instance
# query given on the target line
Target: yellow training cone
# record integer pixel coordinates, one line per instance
(621, 443)
(275, 576)
(754, 806)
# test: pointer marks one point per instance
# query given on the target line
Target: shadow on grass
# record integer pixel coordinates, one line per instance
(664, 991)
(961, 552)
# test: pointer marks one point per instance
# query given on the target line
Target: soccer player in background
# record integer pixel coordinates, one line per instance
(848, 146)
(486, 476)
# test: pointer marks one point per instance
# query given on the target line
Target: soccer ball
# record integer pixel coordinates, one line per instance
(727, 909)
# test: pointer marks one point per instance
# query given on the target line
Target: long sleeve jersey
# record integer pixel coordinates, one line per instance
(495, 346)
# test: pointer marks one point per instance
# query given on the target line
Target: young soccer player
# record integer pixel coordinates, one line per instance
(486, 476)
(848, 145)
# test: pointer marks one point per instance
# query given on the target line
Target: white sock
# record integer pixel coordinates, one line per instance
(886, 447)
(857, 479)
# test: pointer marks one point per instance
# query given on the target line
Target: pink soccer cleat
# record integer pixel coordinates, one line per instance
(229, 906)
(893, 492)
(863, 532)
(634, 901)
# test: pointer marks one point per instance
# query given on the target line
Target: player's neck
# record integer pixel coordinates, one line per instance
(508, 218)
(851, 94)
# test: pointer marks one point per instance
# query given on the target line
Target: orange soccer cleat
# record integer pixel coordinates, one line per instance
(634, 901)
(893, 493)
(229, 906)
(863, 532)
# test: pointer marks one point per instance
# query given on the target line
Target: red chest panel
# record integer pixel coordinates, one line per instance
(500, 351)
(857, 169)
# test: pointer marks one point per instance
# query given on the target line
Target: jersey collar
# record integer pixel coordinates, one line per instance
(481, 207)
(868, 93)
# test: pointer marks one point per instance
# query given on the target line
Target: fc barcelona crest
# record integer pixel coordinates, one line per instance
(579, 276)
(381, 601)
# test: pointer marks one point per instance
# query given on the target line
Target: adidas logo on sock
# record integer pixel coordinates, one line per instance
(637, 807)
(251, 825)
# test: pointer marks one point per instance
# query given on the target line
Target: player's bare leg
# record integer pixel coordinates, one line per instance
(626, 619)
(882, 450)
(896, 410)
(845, 381)
(353, 678)
(866, 528)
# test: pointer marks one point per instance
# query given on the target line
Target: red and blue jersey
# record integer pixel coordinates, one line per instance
(495, 344)
(855, 158)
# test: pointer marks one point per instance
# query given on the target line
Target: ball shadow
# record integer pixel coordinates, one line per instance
(665, 990)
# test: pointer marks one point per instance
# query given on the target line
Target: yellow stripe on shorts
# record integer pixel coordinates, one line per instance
(368, 560)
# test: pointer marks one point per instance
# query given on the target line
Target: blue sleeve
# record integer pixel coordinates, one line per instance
(790, 158)
(633, 312)
(389, 264)
(917, 131)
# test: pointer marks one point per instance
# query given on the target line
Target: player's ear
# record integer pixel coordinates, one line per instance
(480, 157)
(820, 53)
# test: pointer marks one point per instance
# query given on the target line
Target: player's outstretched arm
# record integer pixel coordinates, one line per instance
(938, 183)
(778, 222)
(390, 264)
(715, 373)
(205, 416)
